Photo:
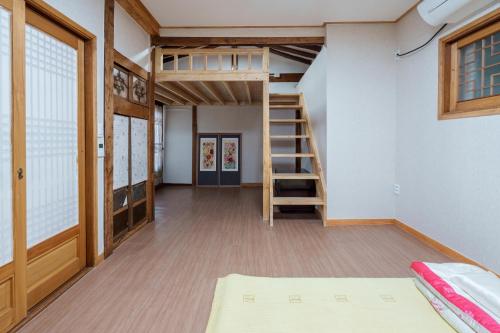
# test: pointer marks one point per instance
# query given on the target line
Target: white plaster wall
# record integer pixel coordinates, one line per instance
(246, 120)
(361, 105)
(130, 39)
(449, 171)
(178, 145)
(313, 86)
(90, 15)
(279, 64)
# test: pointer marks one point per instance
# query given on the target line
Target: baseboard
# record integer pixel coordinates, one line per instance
(347, 222)
(99, 259)
(250, 185)
(447, 251)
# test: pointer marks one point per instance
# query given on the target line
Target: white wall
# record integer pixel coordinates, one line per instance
(90, 15)
(278, 64)
(449, 171)
(130, 39)
(361, 103)
(313, 86)
(178, 145)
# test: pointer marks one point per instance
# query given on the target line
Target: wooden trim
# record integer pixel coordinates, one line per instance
(55, 30)
(99, 259)
(351, 222)
(286, 77)
(448, 105)
(52, 242)
(6, 4)
(266, 151)
(141, 15)
(447, 251)
(126, 108)
(91, 176)
(408, 11)
(109, 9)
(150, 183)
(235, 41)
(19, 157)
(194, 149)
(45, 9)
(129, 65)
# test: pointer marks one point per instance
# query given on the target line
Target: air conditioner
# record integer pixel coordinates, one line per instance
(437, 12)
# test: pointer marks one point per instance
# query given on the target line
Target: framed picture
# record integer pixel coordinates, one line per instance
(139, 91)
(208, 154)
(230, 154)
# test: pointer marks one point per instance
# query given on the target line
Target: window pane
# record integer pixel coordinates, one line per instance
(479, 71)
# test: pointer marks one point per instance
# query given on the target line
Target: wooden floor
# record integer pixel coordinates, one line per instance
(162, 279)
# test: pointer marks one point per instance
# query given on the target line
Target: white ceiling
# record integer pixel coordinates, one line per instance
(273, 12)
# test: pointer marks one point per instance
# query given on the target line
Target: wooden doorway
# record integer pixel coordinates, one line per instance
(51, 115)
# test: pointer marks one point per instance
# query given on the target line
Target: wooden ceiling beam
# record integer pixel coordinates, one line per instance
(299, 53)
(195, 92)
(235, 41)
(178, 92)
(164, 100)
(290, 56)
(159, 90)
(286, 77)
(316, 48)
(248, 91)
(213, 91)
(141, 15)
(230, 91)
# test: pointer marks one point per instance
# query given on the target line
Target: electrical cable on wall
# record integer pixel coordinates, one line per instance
(423, 45)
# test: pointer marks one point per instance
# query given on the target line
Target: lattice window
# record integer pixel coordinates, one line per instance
(139, 150)
(469, 73)
(6, 236)
(51, 136)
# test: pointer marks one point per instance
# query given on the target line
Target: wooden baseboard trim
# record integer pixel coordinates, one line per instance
(447, 251)
(351, 222)
(99, 259)
(250, 185)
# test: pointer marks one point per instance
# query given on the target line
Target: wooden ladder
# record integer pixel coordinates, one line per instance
(303, 131)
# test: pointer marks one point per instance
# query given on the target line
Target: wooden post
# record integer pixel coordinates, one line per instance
(298, 142)
(150, 191)
(266, 150)
(194, 117)
(109, 13)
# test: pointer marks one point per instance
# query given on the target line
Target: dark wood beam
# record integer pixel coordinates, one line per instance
(141, 15)
(286, 77)
(290, 56)
(295, 52)
(236, 41)
(194, 123)
(316, 48)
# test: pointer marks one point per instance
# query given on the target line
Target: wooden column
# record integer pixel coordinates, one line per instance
(109, 12)
(266, 158)
(19, 157)
(194, 117)
(150, 191)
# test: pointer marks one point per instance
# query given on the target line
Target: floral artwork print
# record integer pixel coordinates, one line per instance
(120, 83)
(208, 153)
(139, 90)
(230, 154)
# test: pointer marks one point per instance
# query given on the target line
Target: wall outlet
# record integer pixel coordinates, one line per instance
(397, 189)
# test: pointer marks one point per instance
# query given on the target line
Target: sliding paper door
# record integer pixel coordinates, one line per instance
(6, 218)
(55, 156)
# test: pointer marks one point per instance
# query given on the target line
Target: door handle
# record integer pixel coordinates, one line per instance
(20, 174)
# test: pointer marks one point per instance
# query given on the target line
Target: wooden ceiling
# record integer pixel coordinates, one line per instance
(179, 93)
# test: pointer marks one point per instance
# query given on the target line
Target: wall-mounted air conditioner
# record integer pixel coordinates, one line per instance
(437, 12)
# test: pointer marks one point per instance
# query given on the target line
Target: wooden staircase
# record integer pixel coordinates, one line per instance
(279, 103)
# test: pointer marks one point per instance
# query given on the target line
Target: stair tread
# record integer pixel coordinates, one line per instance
(295, 176)
(297, 201)
(285, 106)
(287, 120)
(277, 137)
(293, 155)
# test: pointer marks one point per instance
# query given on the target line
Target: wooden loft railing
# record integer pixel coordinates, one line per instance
(248, 64)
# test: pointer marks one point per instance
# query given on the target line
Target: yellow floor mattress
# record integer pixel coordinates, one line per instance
(245, 304)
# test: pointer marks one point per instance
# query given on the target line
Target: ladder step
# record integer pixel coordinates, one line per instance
(288, 137)
(285, 106)
(286, 121)
(295, 155)
(295, 176)
(298, 201)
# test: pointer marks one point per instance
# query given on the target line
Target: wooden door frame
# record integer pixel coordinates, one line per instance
(19, 138)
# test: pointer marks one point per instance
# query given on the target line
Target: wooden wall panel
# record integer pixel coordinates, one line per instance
(6, 296)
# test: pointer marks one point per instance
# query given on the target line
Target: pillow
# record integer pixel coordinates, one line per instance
(436, 277)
